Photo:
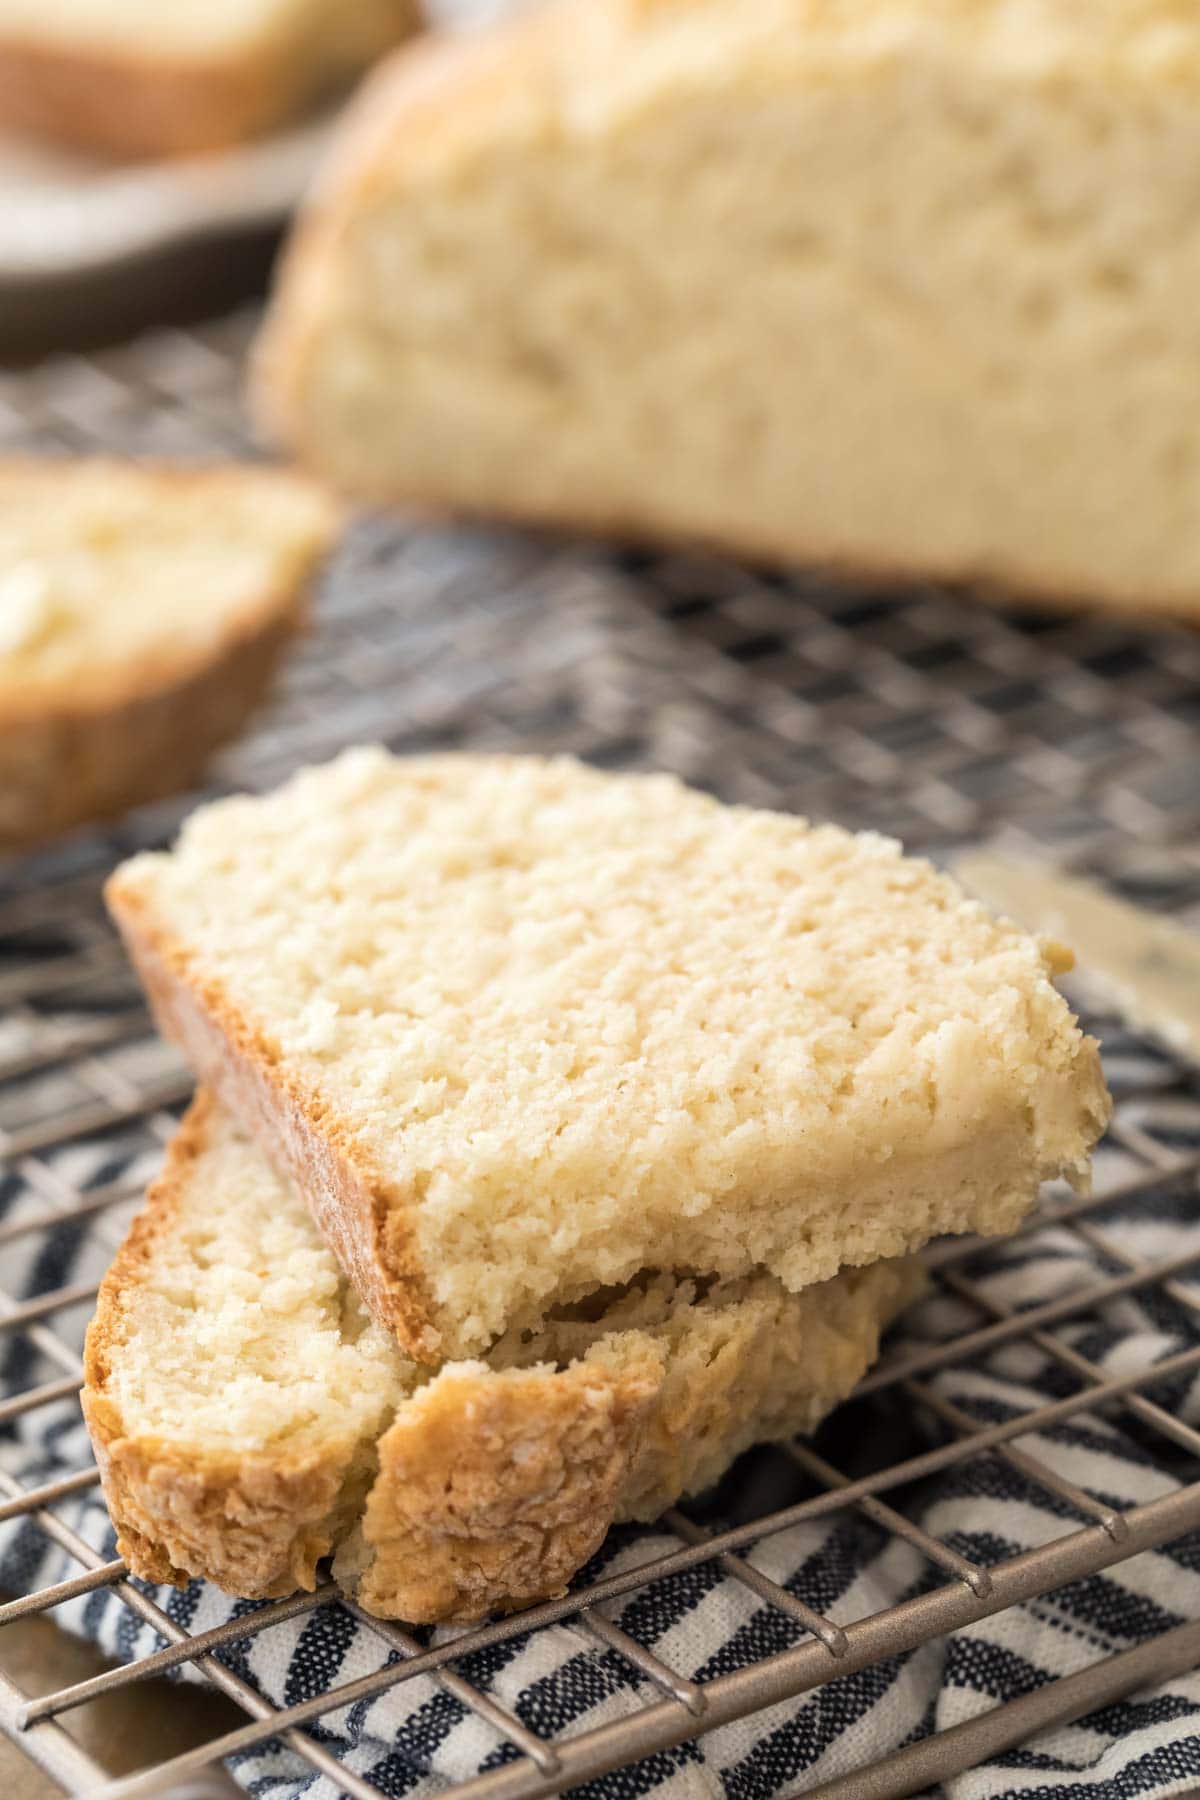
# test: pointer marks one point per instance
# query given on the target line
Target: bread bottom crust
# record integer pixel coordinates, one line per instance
(495, 1487)
(490, 1488)
(1027, 591)
(77, 763)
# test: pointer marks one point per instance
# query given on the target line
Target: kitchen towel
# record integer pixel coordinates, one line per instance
(416, 1738)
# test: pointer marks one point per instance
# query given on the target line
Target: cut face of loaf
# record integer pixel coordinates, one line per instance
(139, 78)
(518, 1029)
(249, 1417)
(906, 287)
(143, 611)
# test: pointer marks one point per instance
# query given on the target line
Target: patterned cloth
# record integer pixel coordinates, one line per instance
(417, 1737)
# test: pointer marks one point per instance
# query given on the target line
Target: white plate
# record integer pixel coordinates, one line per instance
(65, 216)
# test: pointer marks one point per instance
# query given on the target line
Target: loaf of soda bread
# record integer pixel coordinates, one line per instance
(902, 287)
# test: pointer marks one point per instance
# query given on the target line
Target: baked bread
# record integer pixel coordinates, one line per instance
(143, 612)
(138, 78)
(248, 1416)
(519, 1030)
(904, 287)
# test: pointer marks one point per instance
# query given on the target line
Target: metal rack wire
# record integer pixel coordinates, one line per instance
(939, 722)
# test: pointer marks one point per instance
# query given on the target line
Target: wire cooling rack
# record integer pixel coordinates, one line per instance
(938, 720)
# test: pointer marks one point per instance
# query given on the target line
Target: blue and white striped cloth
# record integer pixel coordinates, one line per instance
(415, 1738)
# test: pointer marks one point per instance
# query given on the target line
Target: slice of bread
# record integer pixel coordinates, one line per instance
(904, 287)
(518, 1029)
(143, 611)
(138, 78)
(248, 1416)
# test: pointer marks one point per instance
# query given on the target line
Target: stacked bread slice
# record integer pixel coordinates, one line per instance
(249, 1416)
(564, 1134)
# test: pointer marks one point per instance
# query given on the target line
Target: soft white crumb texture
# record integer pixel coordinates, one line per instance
(242, 1334)
(929, 305)
(115, 572)
(581, 1024)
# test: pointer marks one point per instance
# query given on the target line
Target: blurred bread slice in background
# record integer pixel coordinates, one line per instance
(138, 78)
(143, 612)
(902, 287)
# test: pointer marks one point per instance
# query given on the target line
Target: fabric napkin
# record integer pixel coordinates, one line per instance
(416, 1738)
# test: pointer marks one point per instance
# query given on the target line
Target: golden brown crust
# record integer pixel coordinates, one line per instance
(768, 1373)
(251, 1525)
(628, 531)
(137, 105)
(77, 762)
(494, 1489)
(135, 108)
(257, 1525)
(368, 1228)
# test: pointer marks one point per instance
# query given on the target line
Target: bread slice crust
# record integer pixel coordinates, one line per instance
(485, 1486)
(126, 107)
(117, 735)
(243, 1068)
(83, 761)
(256, 1525)
(493, 1490)
(142, 104)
